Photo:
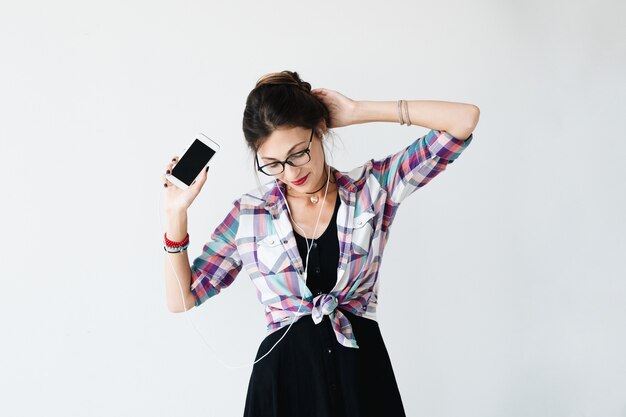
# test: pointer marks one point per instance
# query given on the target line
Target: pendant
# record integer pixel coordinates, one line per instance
(314, 199)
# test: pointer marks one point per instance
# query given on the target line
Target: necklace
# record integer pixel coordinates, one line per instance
(314, 199)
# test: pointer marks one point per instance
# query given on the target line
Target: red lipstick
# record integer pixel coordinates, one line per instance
(301, 180)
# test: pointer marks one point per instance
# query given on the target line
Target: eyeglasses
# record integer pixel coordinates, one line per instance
(295, 160)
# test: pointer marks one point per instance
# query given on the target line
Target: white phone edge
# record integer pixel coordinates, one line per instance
(208, 142)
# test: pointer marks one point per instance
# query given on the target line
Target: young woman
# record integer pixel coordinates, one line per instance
(312, 241)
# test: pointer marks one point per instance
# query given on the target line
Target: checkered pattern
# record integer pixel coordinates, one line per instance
(257, 235)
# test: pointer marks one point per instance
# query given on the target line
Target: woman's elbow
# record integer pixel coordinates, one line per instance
(475, 116)
(463, 132)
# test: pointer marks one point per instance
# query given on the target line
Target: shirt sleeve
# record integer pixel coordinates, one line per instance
(219, 263)
(402, 173)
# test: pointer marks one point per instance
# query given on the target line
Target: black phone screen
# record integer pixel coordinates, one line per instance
(192, 162)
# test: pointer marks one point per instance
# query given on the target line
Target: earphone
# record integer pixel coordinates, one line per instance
(304, 274)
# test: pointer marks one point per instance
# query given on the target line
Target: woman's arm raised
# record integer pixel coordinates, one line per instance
(458, 119)
(176, 202)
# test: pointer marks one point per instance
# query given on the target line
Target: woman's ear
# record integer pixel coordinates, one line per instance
(321, 129)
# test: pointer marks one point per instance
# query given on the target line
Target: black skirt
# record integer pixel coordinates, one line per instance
(309, 373)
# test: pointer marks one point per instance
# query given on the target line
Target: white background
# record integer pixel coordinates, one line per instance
(503, 283)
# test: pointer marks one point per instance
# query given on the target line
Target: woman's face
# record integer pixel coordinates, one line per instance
(283, 143)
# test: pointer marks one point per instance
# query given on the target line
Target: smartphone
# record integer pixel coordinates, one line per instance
(194, 159)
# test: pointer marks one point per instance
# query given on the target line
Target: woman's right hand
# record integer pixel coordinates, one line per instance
(176, 199)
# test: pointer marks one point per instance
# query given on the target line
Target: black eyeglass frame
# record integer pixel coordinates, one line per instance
(286, 161)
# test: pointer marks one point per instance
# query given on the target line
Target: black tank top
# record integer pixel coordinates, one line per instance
(324, 256)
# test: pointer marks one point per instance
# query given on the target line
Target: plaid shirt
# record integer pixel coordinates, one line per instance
(258, 236)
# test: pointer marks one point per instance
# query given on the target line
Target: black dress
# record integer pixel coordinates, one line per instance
(309, 373)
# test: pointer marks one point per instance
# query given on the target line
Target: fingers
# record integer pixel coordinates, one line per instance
(202, 176)
(168, 170)
(322, 94)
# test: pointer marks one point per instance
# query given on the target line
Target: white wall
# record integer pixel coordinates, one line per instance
(95, 97)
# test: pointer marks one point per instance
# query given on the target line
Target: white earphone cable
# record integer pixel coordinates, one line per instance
(182, 295)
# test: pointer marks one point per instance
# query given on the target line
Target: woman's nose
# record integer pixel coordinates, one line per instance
(291, 173)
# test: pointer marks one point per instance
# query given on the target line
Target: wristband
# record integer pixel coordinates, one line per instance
(173, 244)
(170, 249)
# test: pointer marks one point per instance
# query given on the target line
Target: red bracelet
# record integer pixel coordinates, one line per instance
(173, 244)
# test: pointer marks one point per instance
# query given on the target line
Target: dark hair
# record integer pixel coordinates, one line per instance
(281, 99)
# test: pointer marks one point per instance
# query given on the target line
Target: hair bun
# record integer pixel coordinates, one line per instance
(283, 78)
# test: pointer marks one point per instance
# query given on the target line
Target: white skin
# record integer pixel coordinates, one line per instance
(341, 110)
(458, 119)
(284, 142)
(288, 141)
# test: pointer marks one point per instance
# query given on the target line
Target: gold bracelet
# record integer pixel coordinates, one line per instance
(406, 108)
(400, 112)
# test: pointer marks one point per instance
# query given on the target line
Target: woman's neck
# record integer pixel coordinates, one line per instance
(309, 198)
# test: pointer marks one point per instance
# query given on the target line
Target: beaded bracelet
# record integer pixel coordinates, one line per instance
(170, 249)
(172, 246)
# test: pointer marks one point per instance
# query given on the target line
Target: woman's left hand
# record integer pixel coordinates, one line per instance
(340, 107)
